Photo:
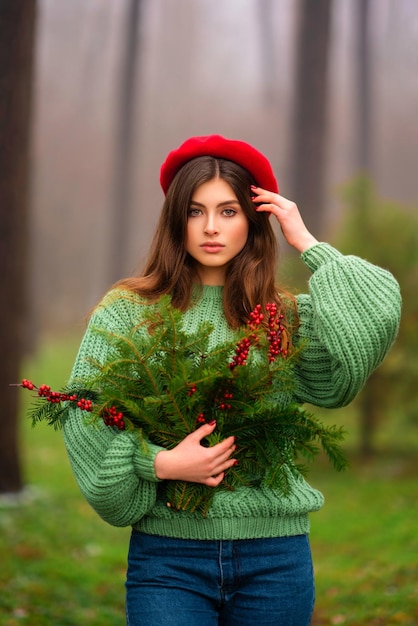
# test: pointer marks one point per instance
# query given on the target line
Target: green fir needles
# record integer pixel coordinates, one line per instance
(162, 384)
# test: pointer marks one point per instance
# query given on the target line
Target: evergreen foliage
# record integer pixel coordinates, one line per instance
(162, 384)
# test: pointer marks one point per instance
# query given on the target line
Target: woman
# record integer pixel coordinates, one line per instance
(214, 252)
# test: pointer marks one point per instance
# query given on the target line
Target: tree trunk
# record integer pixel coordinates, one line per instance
(268, 57)
(370, 414)
(363, 85)
(17, 30)
(310, 112)
(124, 141)
(369, 401)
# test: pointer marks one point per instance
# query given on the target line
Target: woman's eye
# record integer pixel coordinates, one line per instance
(229, 212)
(194, 212)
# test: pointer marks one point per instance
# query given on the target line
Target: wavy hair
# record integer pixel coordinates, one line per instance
(250, 276)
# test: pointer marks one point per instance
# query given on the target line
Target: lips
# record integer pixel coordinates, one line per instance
(212, 247)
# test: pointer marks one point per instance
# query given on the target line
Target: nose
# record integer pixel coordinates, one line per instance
(211, 225)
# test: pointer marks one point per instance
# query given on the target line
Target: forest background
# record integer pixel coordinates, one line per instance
(93, 94)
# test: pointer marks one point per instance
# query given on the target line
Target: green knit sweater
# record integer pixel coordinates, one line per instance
(348, 322)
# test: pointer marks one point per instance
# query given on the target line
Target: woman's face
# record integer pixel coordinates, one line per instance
(217, 230)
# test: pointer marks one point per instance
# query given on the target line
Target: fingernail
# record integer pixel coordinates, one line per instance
(212, 422)
(236, 462)
(253, 187)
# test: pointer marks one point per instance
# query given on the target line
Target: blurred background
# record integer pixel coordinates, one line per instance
(118, 84)
(93, 95)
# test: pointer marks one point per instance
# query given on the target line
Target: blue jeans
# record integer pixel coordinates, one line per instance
(255, 582)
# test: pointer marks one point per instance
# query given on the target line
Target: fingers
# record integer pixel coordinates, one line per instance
(192, 462)
(288, 216)
(218, 474)
(270, 200)
(214, 481)
(205, 430)
(218, 457)
(220, 461)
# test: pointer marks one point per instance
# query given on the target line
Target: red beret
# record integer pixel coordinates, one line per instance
(216, 146)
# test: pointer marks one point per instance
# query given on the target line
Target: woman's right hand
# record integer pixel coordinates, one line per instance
(192, 462)
(287, 214)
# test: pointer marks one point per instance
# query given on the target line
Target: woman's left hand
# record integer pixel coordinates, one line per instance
(288, 216)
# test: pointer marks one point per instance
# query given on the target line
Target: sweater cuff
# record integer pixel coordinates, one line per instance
(144, 462)
(320, 254)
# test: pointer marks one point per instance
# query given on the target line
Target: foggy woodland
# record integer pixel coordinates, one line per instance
(200, 67)
(94, 93)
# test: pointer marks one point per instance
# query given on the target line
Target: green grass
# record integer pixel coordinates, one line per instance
(61, 565)
(365, 545)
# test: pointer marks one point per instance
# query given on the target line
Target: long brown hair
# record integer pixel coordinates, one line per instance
(250, 276)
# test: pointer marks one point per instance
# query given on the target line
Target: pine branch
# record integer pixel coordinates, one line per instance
(162, 384)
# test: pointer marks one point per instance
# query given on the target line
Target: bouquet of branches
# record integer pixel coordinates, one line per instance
(162, 383)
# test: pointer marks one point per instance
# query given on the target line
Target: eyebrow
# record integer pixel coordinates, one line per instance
(225, 203)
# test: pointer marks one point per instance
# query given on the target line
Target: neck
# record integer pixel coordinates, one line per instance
(212, 277)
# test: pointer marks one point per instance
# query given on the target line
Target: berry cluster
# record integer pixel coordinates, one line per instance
(241, 353)
(113, 417)
(27, 384)
(274, 335)
(44, 391)
(256, 317)
(83, 404)
(192, 390)
(201, 419)
(243, 347)
(225, 405)
(275, 332)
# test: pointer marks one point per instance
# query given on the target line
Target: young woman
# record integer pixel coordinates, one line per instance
(214, 252)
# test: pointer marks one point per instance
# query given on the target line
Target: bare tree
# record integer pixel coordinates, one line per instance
(124, 142)
(363, 84)
(310, 111)
(370, 406)
(268, 57)
(17, 28)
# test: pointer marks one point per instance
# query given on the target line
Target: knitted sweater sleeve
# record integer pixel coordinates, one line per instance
(114, 475)
(347, 323)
